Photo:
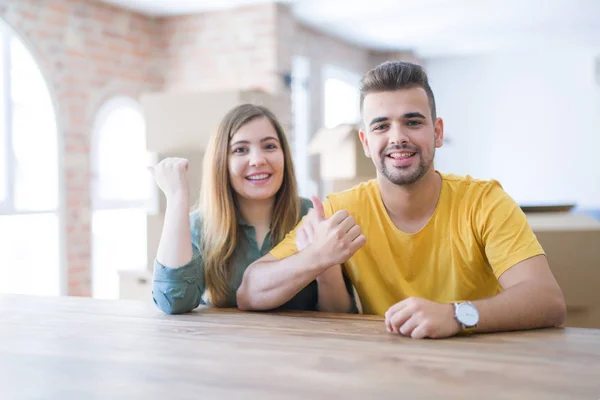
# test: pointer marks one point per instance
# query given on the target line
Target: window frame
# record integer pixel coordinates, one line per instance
(7, 205)
(301, 114)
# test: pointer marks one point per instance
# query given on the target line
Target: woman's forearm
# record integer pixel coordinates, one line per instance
(175, 247)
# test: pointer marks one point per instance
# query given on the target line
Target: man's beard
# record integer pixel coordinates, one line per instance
(401, 176)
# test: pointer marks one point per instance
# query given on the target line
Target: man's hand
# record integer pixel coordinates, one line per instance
(333, 295)
(333, 240)
(420, 318)
(306, 231)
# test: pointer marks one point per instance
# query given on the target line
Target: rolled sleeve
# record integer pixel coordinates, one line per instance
(185, 273)
(178, 290)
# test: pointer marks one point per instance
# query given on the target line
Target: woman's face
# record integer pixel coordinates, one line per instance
(256, 161)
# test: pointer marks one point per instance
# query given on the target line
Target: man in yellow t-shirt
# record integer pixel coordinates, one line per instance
(435, 254)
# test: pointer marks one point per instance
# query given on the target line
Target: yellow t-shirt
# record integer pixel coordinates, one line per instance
(475, 234)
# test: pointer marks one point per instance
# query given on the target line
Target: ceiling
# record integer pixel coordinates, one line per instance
(431, 28)
(179, 7)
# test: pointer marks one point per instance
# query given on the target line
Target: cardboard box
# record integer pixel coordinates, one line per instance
(136, 285)
(186, 120)
(343, 161)
(572, 245)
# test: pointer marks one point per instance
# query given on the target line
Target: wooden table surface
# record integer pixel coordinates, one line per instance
(78, 348)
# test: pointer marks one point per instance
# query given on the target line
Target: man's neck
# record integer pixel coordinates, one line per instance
(412, 204)
(257, 213)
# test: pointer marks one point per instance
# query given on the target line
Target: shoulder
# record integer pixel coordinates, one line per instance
(472, 189)
(484, 201)
(354, 197)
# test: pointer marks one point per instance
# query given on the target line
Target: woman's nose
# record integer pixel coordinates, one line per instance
(257, 158)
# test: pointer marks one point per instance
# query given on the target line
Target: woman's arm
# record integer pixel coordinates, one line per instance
(178, 282)
(268, 283)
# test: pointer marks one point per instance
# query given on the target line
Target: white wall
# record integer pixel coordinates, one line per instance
(540, 109)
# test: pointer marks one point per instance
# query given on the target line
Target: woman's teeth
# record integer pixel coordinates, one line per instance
(258, 177)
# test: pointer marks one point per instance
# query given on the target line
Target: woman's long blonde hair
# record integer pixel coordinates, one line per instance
(218, 206)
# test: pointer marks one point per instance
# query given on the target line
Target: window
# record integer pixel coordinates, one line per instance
(122, 192)
(301, 121)
(3, 120)
(342, 97)
(29, 221)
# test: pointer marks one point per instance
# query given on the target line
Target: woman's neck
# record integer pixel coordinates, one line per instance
(257, 213)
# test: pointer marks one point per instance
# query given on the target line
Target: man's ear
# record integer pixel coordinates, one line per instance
(439, 132)
(365, 141)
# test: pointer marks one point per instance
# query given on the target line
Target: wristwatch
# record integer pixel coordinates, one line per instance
(467, 316)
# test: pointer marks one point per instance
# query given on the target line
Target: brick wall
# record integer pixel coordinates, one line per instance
(90, 52)
(223, 50)
(233, 49)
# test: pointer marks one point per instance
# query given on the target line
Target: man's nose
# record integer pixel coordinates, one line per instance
(397, 134)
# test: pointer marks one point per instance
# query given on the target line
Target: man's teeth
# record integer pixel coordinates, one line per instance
(401, 155)
(258, 177)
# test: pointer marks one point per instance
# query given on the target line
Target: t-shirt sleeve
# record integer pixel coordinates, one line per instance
(287, 247)
(505, 233)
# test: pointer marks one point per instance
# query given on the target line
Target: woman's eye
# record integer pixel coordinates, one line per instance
(271, 146)
(239, 150)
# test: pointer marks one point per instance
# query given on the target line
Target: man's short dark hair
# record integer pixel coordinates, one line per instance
(396, 75)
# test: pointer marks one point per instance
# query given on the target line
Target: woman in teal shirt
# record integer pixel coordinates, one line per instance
(248, 202)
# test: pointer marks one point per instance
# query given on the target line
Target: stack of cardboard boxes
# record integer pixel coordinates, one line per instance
(572, 244)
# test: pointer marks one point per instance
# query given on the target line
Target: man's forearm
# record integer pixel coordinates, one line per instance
(523, 306)
(333, 295)
(269, 284)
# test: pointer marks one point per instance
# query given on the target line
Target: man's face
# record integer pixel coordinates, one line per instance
(399, 134)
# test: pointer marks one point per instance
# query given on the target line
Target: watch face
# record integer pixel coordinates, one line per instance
(467, 314)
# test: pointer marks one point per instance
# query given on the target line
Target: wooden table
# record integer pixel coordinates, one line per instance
(77, 348)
